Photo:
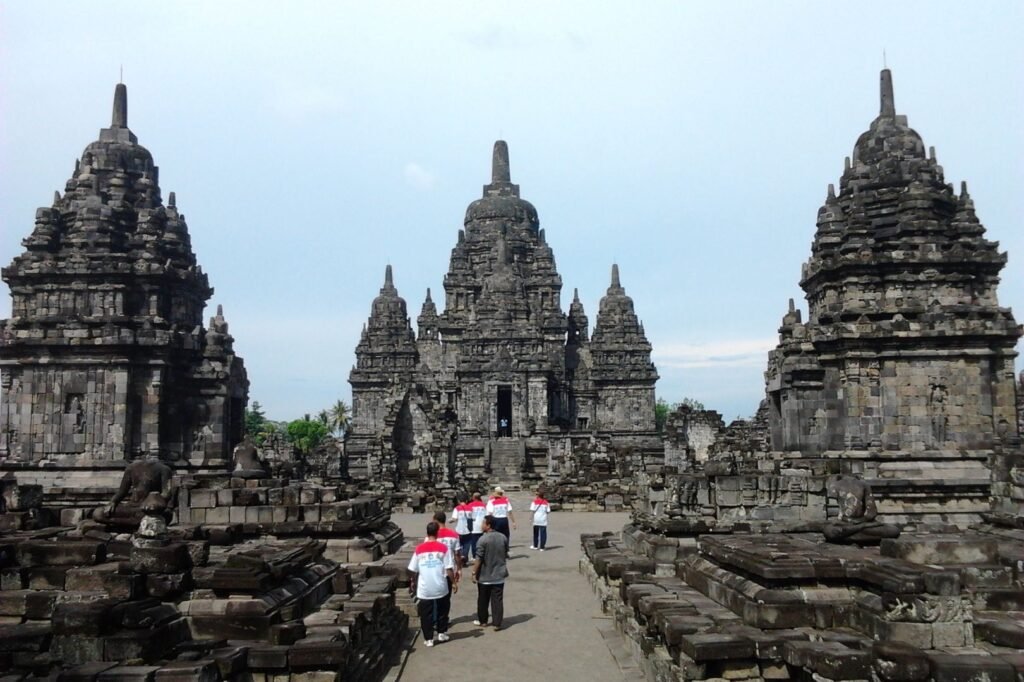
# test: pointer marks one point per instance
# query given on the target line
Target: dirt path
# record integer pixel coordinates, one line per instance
(553, 624)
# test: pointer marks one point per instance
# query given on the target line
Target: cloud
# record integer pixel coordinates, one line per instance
(495, 37)
(297, 103)
(730, 353)
(417, 176)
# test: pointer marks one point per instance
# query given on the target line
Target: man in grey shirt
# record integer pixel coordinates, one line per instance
(489, 573)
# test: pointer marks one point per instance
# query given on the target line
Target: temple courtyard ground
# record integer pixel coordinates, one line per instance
(553, 622)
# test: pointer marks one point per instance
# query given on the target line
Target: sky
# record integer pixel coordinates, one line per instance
(311, 143)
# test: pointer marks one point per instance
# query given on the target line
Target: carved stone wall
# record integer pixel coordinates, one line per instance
(493, 385)
(105, 356)
(904, 369)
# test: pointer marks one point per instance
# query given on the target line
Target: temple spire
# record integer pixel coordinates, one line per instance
(429, 300)
(615, 276)
(388, 278)
(888, 101)
(500, 171)
(120, 115)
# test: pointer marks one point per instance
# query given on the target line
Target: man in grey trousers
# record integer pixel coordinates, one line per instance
(489, 573)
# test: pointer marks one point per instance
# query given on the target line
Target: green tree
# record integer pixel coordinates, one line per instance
(695, 405)
(305, 434)
(324, 417)
(661, 410)
(267, 431)
(339, 418)
(255, 418)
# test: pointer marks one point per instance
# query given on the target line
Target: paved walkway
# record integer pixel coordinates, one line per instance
(553, 623)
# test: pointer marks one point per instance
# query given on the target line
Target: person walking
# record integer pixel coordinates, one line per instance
(500, 508)
(490, 571)
(450, 539)
(477, 512)
(540, 508)
(462, 515)
(433, 570)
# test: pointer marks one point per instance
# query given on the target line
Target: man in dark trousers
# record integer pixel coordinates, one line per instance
(489, 573)
(433, 570)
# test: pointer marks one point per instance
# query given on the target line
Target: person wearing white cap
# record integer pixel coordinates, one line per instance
(500, 508)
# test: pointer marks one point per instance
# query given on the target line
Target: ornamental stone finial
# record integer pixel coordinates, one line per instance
(120, 115)
(888, 100)
(500, 170)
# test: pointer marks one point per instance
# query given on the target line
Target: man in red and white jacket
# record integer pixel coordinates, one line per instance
(450, 538)
(433, 569)
(477, 512)
(462, 515)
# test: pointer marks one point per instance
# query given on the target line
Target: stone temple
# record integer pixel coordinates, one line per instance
(904, 370)
(105, 357)
(502, 382)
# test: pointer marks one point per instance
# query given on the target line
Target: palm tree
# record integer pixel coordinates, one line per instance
(339, 417)
(324, 417)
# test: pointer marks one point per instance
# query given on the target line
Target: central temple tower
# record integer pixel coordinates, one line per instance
(498, 381)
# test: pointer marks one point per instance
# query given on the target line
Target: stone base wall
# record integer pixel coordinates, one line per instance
(788, 607)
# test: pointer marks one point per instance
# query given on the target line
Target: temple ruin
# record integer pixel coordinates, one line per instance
(867, 523)
(105, 357)
(502, 383)
(904, 369)
(141, 537)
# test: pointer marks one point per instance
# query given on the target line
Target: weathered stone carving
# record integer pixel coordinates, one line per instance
(247, 462)
(857, 514)
(146, 489)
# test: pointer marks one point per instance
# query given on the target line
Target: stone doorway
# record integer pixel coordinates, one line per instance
(504, 412)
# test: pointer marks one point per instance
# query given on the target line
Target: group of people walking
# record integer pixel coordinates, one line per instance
(481, 535)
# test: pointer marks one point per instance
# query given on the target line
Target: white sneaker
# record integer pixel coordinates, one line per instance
(477, 622)
(429, 642)
(532, 547)
(443, 637)
(542, 549)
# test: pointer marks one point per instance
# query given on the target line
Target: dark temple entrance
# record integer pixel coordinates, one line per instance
(504, 411)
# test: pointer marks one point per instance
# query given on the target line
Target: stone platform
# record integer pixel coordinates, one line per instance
(214, 601)
(782, 606)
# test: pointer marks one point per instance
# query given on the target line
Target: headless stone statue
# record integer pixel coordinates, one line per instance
(857, 522)
(146, 488)
(247, 462)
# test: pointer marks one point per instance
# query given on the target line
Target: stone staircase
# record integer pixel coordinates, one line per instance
(507, 457)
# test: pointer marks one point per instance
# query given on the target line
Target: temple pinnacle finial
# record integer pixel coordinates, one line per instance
(172, 201)
(388, 279)
(792, 305)
(220, 310)
(615, 276)
(500, 171)
(428, 295)
(575, 295)
(120, 116)
(888, 100)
